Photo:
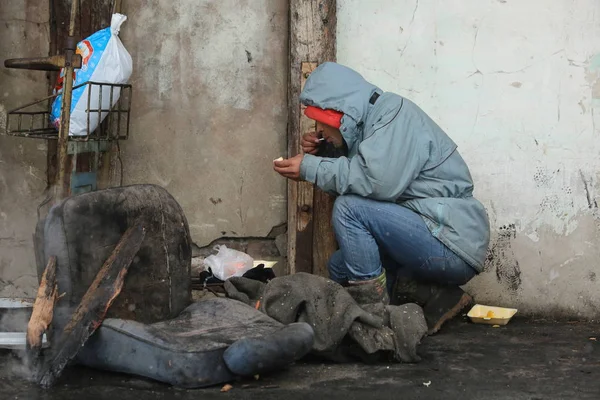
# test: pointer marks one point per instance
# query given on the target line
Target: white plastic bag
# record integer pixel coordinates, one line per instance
(228, 263)
(104, 60)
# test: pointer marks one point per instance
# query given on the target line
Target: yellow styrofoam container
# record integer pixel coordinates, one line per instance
(481, 314)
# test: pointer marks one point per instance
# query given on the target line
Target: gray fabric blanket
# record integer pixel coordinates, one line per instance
(344, 330)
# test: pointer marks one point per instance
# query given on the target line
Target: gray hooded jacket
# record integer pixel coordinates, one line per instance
(398, 154)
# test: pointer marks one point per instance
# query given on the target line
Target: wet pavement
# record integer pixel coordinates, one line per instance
(523, 360)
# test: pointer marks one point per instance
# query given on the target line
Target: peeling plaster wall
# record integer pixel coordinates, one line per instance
(517, 85)
(209, 112)
(25, 33)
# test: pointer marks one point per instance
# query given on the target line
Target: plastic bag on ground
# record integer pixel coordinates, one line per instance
(104, 59)
(228, 263)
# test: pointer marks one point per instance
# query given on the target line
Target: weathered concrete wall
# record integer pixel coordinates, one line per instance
(209, 112)
(517, 85)
(25, 33)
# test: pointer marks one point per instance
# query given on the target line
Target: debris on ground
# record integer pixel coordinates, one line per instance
(226, 388)
(532, 359)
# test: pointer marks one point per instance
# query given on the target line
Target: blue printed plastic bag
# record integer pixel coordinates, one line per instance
(104, 60)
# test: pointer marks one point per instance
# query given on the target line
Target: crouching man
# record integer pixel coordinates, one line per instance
(405, 217)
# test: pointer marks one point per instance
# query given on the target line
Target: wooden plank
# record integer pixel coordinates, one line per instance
(305, 195)
(59, 21)
(93, 306)
(92, 16)
(324, 242)
(43, 311)
(300, 210)
(312, 41)
(106, 169)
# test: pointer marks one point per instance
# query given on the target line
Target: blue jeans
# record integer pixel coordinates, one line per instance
(373, 235)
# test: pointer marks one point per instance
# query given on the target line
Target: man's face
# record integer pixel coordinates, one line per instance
(332, 135)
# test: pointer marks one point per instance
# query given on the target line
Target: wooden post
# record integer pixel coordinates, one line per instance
(94, 15)
(109, 157)
(312, 41)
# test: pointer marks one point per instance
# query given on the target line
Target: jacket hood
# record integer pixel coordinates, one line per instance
(336, 87)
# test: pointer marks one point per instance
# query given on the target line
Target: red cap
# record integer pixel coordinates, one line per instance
(328, 117)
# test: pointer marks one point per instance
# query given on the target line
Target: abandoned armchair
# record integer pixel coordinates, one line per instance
(405, 217)
(125, 254)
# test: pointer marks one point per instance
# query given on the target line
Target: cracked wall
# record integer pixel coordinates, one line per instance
(517, 86)
(209, 112)
(25, 33)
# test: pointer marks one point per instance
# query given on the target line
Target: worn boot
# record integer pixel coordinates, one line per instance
(440, 303)
(371, 291)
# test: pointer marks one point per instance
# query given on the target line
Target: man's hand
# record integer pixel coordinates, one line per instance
(289, 168)
(310, 143)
